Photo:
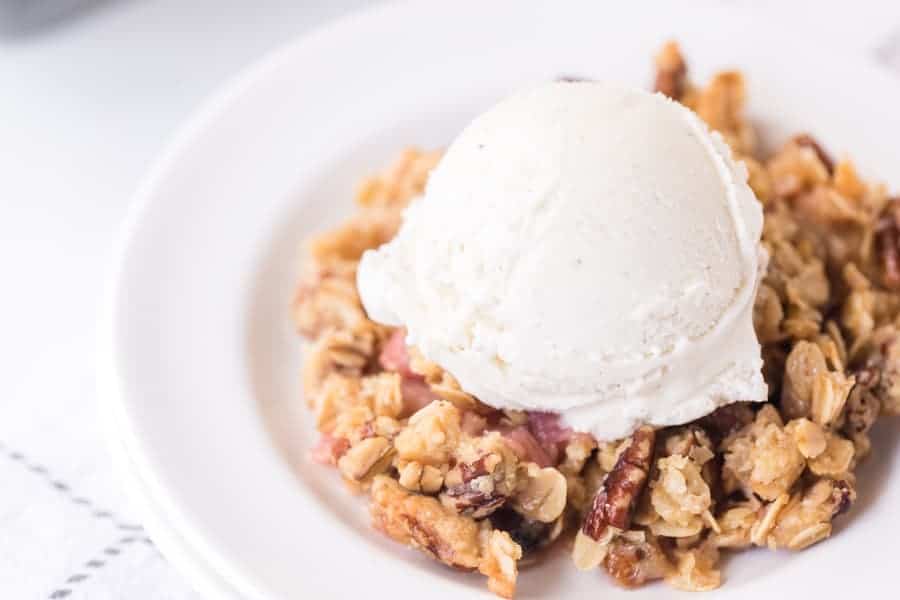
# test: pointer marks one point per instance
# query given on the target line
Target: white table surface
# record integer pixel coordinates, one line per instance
(85, 105)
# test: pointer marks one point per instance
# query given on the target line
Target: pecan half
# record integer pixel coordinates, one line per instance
(614, 504)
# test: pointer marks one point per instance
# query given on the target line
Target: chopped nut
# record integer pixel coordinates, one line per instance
(484, 477)
(476, 499)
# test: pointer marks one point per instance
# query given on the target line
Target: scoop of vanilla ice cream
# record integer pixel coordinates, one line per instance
(583, 249)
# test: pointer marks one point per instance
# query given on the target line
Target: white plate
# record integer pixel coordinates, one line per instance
(201, 361)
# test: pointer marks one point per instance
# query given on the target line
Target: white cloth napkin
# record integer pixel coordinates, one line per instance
(66, 529)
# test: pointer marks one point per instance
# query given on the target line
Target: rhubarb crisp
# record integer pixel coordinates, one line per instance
(485, 490)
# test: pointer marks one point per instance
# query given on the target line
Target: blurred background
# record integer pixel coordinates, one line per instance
(90, 90)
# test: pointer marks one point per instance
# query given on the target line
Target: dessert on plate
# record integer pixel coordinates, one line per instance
(602, 318)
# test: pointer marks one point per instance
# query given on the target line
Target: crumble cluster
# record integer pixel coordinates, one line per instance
(485, 490)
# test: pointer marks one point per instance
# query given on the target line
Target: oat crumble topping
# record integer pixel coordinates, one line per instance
(485, 490)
